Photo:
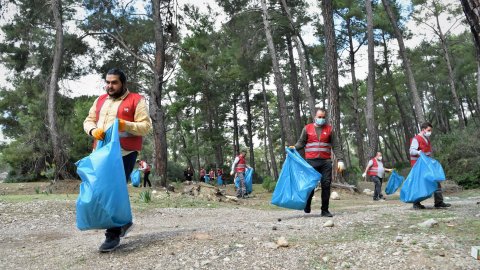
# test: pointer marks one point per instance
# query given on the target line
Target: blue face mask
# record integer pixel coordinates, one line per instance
(320, 121)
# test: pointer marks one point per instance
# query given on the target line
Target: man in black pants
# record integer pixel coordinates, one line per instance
(318, 140)
(134, 122)
(145, 168)
(376, 171)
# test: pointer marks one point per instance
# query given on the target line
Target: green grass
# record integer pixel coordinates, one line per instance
(420, 216)
(465, 194)
(163, 200)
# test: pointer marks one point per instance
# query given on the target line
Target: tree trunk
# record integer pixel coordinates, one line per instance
(357, 126)
(417, 103)
(267, 128)
(301, 58)
(265, 151)
(156, 111)
(404, 116)
(478, 82)
(183, 142)
(349, 159)
(249, 128)
(370, 106)
(197, 141)
(451, 76)
(295, 92)
(471, 8)
(59, 156)
(236, 141)
(219, 148)
(309, 69)
(332, 73)
(282, 106)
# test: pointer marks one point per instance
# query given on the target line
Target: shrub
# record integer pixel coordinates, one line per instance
(269, 184)
(146, 196)
(458, 153)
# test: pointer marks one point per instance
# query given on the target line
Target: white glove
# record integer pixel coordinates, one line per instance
(341, 166)
(364, 174)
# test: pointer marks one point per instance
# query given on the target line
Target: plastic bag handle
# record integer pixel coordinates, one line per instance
(111, 135)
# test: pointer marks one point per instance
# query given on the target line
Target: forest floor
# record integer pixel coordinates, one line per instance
(178, 231)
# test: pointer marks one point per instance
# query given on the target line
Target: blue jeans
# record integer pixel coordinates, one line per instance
(128, 164)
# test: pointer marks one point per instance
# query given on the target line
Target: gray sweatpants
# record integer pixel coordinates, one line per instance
(241, 191)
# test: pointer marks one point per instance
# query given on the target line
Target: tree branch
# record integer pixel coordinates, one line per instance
(122, 44)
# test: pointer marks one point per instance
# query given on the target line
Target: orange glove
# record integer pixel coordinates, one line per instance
(98, 134)
(122, 125)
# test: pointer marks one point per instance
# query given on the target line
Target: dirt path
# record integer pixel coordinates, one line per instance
(41, 234)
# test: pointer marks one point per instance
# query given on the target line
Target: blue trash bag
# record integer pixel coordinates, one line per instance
(394, 182)
(207, 179)
(248, 181)
(219, 180)
(103, 200)
(135, 178)
(236, 181)
(297, 180)
(422, 180)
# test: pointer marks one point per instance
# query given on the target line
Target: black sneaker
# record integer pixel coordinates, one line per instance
(126, 229)
(325, 213)
(307, 209)
(442, 205)
(110, 244)
(418, 206)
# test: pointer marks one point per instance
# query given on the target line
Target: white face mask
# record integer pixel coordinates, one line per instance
(428, 133)
(379, 158)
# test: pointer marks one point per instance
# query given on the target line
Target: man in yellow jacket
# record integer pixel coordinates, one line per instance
(134, 123)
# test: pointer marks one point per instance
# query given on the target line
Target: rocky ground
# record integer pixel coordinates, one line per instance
(179, 231)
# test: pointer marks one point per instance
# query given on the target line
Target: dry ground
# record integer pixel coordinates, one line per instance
(177, 231)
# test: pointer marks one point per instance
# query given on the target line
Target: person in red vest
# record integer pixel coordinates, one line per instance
(376, 171)
(220, 181)
(145, 168)
(421, 143)
(211, 173)
(318, 140)
(134, 123)
(203, 172)
(239, 167)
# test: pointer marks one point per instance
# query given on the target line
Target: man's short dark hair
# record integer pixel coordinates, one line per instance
(320, 109)
(426, 125)
(119, 73)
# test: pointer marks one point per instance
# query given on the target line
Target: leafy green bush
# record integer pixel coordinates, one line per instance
(458, 152)
(268, 183)
(352, 174)
(175, 172)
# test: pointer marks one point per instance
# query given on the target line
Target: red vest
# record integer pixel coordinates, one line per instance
(126, 111)
(318, 147)
(423, 146)
(241, 165)
(144, 164)
(373, 170)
